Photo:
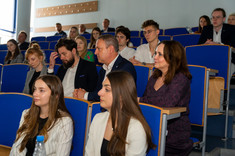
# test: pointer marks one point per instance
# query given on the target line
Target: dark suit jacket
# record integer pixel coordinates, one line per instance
(120, 64)
(227, 36)
(24, 46)
(109, 30)
(86, 75)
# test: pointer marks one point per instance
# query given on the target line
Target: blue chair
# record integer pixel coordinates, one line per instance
(52, 45)
(187, 39)
(87, 36)
(11, 108)
(136, 41)
(44, 45)
(110, 33)
(3, 47)
(175, 31)
(161, 33)
(53, 38)
(47, 55)
(38, 38)
(160, 37)
(135, 33)
(142, 73)
(198, 104)
(194, 29)
(78, 110)
(13, 77)
(153, 116)
(3, 54)
(98, 67)
(215, 57)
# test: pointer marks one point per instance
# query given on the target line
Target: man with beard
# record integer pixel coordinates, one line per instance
(74, 72)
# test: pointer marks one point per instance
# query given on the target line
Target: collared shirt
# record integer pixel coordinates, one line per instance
(127, 53)
(107, 69)
(68, 81)
(217, 36)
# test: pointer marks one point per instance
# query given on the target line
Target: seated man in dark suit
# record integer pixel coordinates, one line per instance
(106, 27)
(23, 45)
(107, 53)
(219, 32)
(75, 72)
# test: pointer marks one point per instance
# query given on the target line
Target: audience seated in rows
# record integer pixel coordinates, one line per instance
(123, 37)
(23, 45)
(47, 116)
(203, 21)
(95, 33)
(145, 53)
(75, 72)
(35, 58)
(59, 30)
(13, 54)
(82, 49)
(122, 129)
(82, 29)
(169, 86)
(106, 27)
(107, 53)
(73, 33)
(219, 32)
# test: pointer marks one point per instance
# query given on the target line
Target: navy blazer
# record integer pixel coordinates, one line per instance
(227, 34)
(86, 75)
(120, 64)
(24, 46)
(109, 30)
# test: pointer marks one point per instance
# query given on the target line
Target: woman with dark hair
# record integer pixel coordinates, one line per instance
(95, 33)
(47, 116)
(122, 129)
(169, 86)
(203, 21)
(13, 54)
(35, 58)
(82, 49)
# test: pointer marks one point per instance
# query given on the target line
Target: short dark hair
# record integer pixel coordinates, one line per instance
(69, 44)
(125, 31)
(220, 9)
(23, 32)
(109, 40)
(58, 23)
(150, 23)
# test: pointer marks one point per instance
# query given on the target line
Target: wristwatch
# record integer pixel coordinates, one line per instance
(143, 63)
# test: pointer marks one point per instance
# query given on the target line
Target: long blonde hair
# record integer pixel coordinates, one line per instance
(83, 53)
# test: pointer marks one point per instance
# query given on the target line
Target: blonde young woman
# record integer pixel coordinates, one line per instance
(47, 116)
(82, 49)
(35, 57)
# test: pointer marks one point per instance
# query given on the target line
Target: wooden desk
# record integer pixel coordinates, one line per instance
(5, 150)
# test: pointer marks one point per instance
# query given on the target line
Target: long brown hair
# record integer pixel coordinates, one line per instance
(16, 53)
(57, 110)
(84, 51)
(93, 40)
(124, 107)
(174, 54)
(208, 21)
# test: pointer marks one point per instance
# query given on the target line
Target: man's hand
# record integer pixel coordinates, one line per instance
(53, 56)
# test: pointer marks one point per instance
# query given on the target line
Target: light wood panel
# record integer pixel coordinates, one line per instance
(67, 9)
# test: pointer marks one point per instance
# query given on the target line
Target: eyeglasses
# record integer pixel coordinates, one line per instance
(215, 17)
(148, 32)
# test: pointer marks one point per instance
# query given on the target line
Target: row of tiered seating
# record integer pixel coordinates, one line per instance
(83, 113)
